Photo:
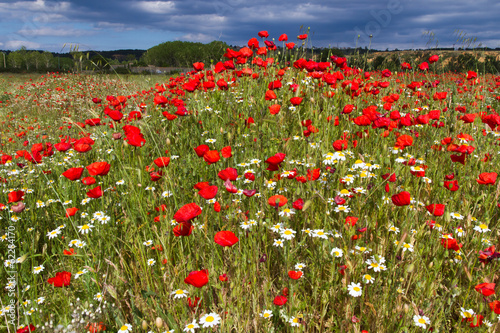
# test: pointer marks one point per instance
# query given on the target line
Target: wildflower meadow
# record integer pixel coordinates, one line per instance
(262, 192)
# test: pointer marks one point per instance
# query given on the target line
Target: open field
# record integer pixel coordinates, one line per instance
(250, 197)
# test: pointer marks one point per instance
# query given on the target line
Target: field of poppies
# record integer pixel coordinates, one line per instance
(262, 193)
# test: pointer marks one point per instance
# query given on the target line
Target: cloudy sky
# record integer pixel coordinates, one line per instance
(123, 24)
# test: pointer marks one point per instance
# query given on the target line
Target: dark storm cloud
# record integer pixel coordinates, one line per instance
(392, 23)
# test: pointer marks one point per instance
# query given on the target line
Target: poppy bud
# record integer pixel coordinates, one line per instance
(117, 136)
(18, 208)
(159, 322)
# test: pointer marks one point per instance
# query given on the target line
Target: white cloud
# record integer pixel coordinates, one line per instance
(156, 7)
(16, 44)
(197, 37)
(49, 31)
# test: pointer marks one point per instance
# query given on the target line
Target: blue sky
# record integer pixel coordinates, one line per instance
(127, 24)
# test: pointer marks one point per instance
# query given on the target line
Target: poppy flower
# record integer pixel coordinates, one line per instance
(283, 38)
(226, 152)
(187, 212)
(69, 252)
(280, 300)
(450, 244)
(275, 109)
(27, 329)
(290, 45)
(296, 100)
(433, 58)
(277, 200)
(82, 147)
(249, 193)
(487, 178)
(495, 306)
(270, 95)
(197, 278)
(295, 275)
(298, 204)
(263, 34)
(404, 141)
(208, 192)
(487, 289)
(62, 146)
(223, 277)
(201, 150)
(162, 162)
(62, 279)
(225, 238)
(198, 66)
(436, 209)
(275, 161)
(88, 181)
(95, 193)
(183, 229)
(71, 211)
(302, 37)
(451, 185)
(217, 207)
(228, 173)
(211, 156)
(73, 173)
(351, 220)
(401, 199)
(230, 187)
(98, 168)
(15, 196)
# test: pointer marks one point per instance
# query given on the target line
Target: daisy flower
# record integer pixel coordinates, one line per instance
(278, 242)
(355, 289)
(266, 314)
(300, 266)
(79, 273)
(86, 228)
(319, 233)
(294, 321)
(407, 247)
(38, 269)
(456, 216)
(287, 233)
(210, 320)
(179, 293)
(151, 262)
(466, 313)
(367, 278)
(126, 328)
(421, 321)
(191, 326)
(54, 233)
(481, 228)
(338, 253)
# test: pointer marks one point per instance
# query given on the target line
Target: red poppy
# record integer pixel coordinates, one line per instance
(298, 204)
(162, 162)
(187, 212)
(270, 95)
(183, 229)
(275, 161)
(98, 168)
(404, 141)
(198, 66)
(217, 207)
(487, 178)
(495, 306)
(225, 238)
(96, 327)
(62, 279)
(211, 156)
(62, 146)
(295, 275)
(283, 38)
(208, 192)
(433, 58)
(82, 147)
(302, 37)
(451, 185)
(277, 200)
(226, 152)
(275, 109)
(263, 34)
(15, 196)
(290, 45)
(69, 253)
(450, 244)
(95, 193)
(351, 220)
(348, 108)
(340, 145)
(223, 277)
(88, 181)
(73, 173)
(230, 187)
(401, 199)
(201, 150)
(71, 211)
(26, 329)
(229, 173)
(436, 209)
(197, 278)
(249, 193)
(280, 300)
(296, 100)
(487, 289)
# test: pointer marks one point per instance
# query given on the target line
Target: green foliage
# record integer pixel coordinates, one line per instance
(183, 54)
